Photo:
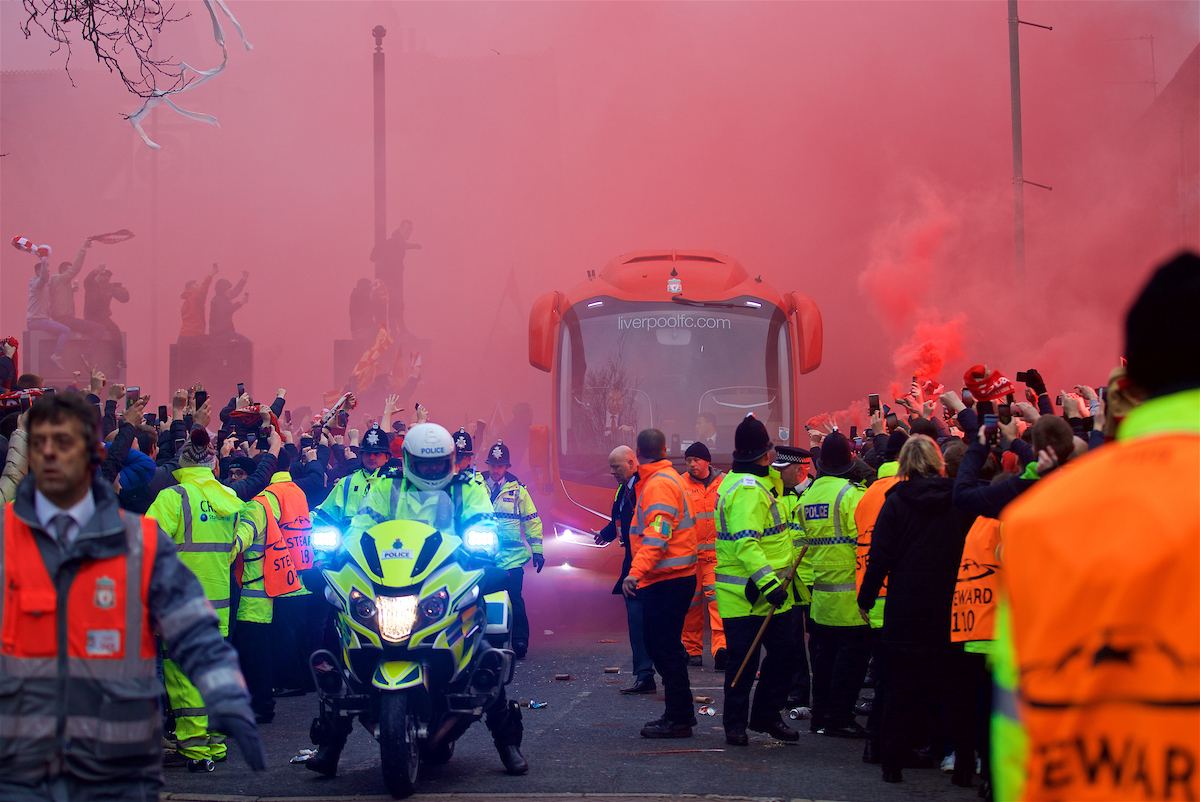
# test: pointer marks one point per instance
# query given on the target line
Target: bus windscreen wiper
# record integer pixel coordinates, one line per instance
(679, 299)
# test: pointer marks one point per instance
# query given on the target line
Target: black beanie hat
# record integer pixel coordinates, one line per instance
(698, 450)
(751, 440)
(835, 459)
(1161, 345)
(895, 442)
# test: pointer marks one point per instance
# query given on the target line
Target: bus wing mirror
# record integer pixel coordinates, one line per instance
(539, 456)
(543, 324)
(807, 319)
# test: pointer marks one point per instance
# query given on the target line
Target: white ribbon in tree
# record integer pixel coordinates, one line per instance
(204, 76)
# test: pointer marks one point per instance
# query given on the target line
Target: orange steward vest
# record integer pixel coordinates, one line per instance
(294, 522)
(107, 671)
(279, 572)
(864, 519)
(1100, 578)
(973, 614)
(662, 534)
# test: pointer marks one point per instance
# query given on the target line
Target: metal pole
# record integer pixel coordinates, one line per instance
(380, 137)
(1014, 72)
(153, 255)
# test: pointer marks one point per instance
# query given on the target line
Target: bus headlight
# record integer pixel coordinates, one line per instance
(396, 616)
(480, 540)
(326, 538)
(577, 537)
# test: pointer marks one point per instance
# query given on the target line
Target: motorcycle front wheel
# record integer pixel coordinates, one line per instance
(398, 748)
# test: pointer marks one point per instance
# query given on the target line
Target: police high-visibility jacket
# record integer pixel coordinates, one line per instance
(973, 614)
(864, 519)
(662, 534)
(200, 514)
(790, 512)
(516, 521)
(78, 691)
(347, 496)
(702, 501)
(887, 469)
(831, 536)
(267, 569)
(1100, 620)
(460, 505)
(754, 545)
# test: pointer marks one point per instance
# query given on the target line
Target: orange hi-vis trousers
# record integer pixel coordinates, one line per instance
(706, 594)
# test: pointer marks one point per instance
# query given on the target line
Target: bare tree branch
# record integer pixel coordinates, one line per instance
(118, 31)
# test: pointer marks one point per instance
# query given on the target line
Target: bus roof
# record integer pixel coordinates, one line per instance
(644, 276)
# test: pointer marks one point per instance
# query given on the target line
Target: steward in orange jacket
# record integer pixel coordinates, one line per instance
(700, 483)
(663, 575)
(1098, 631)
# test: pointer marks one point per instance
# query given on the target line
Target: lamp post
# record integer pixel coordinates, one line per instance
(380, 137)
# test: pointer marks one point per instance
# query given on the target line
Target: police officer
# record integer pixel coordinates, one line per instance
(838, 637)
(464, 456)
(516, 521)
(427, 490)
(347, 495)
(793, 464)
(754, 555)
(200, 514)
(68, 547)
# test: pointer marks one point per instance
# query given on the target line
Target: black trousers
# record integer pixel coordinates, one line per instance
(917, 679)
(875, 719)
(839, 656)
(664, 608)
(253, 644)
(777, 669)
(514, 583)
(290, 642)
(801, 690)
(968, 717)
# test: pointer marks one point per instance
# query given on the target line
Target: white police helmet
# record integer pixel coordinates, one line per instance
(429, 456)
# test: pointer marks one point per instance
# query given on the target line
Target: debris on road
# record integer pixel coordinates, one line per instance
(799, 712)
(606, 640)
(562, 677)
(616, 670)
(548, 631)
(707, 710)
(682, 751)
(304, 756)
(704, 700)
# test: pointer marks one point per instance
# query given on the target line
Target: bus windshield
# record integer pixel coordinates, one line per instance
(693, 372)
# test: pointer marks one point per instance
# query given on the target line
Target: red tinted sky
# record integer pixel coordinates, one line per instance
(859, 152)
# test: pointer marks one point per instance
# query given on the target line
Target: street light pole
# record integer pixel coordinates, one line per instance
(380, 138)
(1014, 74)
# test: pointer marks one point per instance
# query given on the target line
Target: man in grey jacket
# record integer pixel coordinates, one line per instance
(79, 700)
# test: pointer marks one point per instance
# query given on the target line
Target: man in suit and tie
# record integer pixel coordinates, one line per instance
(706, 430)
(623, 464)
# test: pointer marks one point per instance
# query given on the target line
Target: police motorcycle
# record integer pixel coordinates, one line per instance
(425, 649)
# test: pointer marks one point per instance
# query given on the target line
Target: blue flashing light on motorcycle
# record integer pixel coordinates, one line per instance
(483, 540)
(326, 538)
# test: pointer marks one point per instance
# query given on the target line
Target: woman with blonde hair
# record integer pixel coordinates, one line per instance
(917, 545)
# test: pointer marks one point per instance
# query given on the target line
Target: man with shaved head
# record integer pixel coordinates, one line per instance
(623, 464)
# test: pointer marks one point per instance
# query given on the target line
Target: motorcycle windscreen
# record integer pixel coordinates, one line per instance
(396, 675)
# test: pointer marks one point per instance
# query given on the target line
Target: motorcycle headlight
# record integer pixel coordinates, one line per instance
(480, 540)
(396, 616)
(362, 607)
(326, 538)
(434, 607)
